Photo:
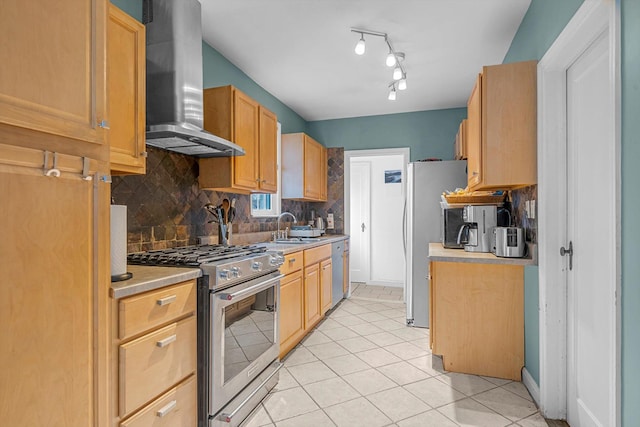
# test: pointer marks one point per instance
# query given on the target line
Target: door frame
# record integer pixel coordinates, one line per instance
(354, 154)
(591, 19)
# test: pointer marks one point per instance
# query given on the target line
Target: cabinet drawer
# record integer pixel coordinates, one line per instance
(177, 407)
(140, 313)
(317, 254)
(292, 262)
(153, 363)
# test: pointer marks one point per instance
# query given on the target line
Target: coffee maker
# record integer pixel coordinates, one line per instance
(477, 229)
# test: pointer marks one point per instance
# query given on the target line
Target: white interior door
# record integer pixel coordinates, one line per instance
(591, 230)
(360, 214)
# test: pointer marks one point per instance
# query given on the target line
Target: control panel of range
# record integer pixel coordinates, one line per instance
(240, 269)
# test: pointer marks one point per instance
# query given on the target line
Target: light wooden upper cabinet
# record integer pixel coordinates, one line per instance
(52, 82)
(268, 159)
(126, 89)
(461, 141)
(501, 133)
(231, 114)
(474, 135)
(304, 168)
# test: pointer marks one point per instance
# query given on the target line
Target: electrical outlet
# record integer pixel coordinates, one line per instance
(330, 221)
(533, 210)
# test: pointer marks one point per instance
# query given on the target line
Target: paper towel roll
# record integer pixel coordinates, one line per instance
(118, 242)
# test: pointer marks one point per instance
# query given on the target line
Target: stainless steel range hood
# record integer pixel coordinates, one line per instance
(174, 81)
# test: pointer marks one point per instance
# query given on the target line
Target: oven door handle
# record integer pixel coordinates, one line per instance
(251, 290)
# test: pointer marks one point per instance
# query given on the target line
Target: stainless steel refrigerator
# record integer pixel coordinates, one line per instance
(422, 225)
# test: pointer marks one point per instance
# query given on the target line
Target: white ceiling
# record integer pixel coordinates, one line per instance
(302, 51)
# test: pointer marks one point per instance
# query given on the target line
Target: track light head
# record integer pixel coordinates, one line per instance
(392, 94)
(397, 73)
(360, 46)
(402, 84)
(391, 59)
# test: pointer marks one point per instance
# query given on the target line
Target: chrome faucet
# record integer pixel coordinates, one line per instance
(280, 216)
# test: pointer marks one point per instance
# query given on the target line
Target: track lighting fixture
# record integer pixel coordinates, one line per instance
(394, 59)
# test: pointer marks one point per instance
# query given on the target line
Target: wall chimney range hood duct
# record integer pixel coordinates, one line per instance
(174, 81)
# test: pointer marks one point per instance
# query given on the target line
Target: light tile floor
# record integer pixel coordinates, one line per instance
(363, 367)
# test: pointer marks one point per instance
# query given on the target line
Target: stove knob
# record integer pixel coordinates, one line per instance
(256, 266)
(235, 271)
(224, 274)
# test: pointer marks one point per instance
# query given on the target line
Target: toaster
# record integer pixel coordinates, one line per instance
(508, 242)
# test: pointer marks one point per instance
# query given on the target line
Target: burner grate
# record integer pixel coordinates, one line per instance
(192, 256)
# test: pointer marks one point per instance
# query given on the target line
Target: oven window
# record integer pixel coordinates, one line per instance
(249, 331)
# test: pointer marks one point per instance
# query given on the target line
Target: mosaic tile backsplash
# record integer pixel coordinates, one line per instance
(165, 207)
(520, 218)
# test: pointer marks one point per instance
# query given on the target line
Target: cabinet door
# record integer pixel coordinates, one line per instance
(312, 168)
(53, 74)
(126, 88)
(292, 314)
(326, 276)
(311, 295)
(268, 151)
(474, 134)
(245, 128)
(53, 298)
(323, 174)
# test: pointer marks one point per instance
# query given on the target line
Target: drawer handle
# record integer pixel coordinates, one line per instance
(165, 342)
(166, 409)
(166, 300)
(292, 260)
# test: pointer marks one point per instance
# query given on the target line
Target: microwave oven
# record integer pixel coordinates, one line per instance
(450, 226)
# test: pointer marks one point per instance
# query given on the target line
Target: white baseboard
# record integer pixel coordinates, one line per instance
(531, 385)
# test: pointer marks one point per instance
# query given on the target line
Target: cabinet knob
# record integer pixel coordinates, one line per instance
(103, 124)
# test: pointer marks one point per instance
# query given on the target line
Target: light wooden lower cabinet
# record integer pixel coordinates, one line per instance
(154, 357)
(175, 408)
(291, 311)
(326, 276)
(477, 318)
(311, 296)
(305, 294)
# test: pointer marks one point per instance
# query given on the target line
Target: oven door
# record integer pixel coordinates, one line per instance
(244, 336)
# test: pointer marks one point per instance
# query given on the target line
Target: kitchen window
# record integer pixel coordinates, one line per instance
(266, 205)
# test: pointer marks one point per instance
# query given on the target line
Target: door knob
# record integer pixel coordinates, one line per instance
(569, 252)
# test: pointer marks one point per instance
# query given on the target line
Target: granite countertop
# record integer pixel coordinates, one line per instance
(437, 252)
(147, 278)
(288, 248)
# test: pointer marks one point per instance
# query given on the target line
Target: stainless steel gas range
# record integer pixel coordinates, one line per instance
(238, 342)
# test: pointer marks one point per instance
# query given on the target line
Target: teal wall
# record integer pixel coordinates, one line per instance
(541, 25)
(426, 133)
(132, 7)
(630, 64)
